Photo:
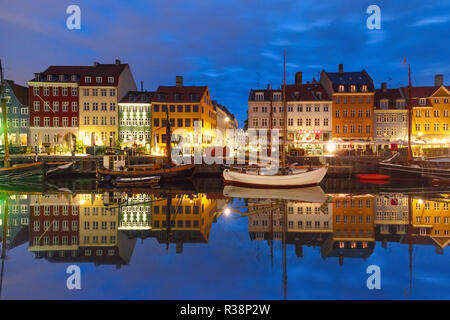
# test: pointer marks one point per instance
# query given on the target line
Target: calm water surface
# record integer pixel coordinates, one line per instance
(312, 243)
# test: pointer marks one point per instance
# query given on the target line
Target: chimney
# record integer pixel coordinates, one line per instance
(268, 87)
(439, 80)
(96, 64)
(298, 78)
(384, 86)
(179, 81)
(117, 62)
(341, 68)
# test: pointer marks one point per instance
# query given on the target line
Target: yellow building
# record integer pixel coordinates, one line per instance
(431, 112)
(101, 87)
(191, 217)
(187, 105)
(98, 224)
(432, 219)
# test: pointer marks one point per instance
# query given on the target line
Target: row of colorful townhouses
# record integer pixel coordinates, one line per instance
(99, 105)
(345, 108)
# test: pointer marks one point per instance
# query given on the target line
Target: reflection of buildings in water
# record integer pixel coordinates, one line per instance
(307, 223)
(18, 220)
(147, 216)
(77, 228)
(191, 218)
(343, 227)
(431, 222)
(353, 228)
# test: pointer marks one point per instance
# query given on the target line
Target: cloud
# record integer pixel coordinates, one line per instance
(430, 21)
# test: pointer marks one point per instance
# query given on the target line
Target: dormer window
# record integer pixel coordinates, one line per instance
(277, 96)
(73, 77)
(177, 96)
(384, 104)
(61, 77)
(49, 77)
(161, 97)
(98, 79)
(353, 88)
(341, 88)
(110, 79)
(422, 101)
(364, 88)
(87, 79)
(259, 96)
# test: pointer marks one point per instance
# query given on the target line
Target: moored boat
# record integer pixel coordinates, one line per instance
(294, 180)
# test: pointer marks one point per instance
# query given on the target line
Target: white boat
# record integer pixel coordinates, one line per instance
(294, 180)
(307, 194)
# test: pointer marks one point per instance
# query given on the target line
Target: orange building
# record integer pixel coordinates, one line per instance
(352, 108)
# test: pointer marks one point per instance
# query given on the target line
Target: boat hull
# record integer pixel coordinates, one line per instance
(179, 172)
(305, 179)
(408, 172)
(23, 171)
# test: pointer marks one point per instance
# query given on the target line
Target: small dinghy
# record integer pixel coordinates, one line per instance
(373, 176)
(136, 181)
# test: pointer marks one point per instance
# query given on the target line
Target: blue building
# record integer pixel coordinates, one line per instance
(18, 115)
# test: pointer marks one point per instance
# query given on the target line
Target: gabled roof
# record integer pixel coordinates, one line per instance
(138, 97)
(388, 94)
(186, 94)
(266, 92)
(358, 79)
(19, 91)
(306, 92)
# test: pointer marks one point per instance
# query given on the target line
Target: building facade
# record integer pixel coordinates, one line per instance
(186, 105)
(101, 87)
(431, 112)
(17, 114)
(390, 120)
(135, 119)
(309, 121)
(352, 107)
(54, 113)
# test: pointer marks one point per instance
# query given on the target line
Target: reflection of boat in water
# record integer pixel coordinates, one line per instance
(310, 194)
(143, 181)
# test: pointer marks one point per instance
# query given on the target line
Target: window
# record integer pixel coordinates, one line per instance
(98, 79)
(46, 91)
(112, 106)
(95, 106)
(74, 106)
(65, 91)
(65, 106)
(73, 92)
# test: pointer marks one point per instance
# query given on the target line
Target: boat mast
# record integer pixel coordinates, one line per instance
(270, 121)
(4, 111)
(5, 229)
(283, 163)
(409, 116)
(168, 138)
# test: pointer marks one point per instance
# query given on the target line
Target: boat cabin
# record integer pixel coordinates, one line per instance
(114, 162)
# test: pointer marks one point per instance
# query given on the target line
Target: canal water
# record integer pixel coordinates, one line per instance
(344, 240)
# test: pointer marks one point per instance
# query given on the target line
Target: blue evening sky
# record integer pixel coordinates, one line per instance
(231, 46)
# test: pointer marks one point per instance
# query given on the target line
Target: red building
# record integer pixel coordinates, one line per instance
(54, 224)
(54, 109)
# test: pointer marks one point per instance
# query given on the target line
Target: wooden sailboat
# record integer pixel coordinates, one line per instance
(35, 170)
(167, 171)
(285, 178)
(413, 169)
